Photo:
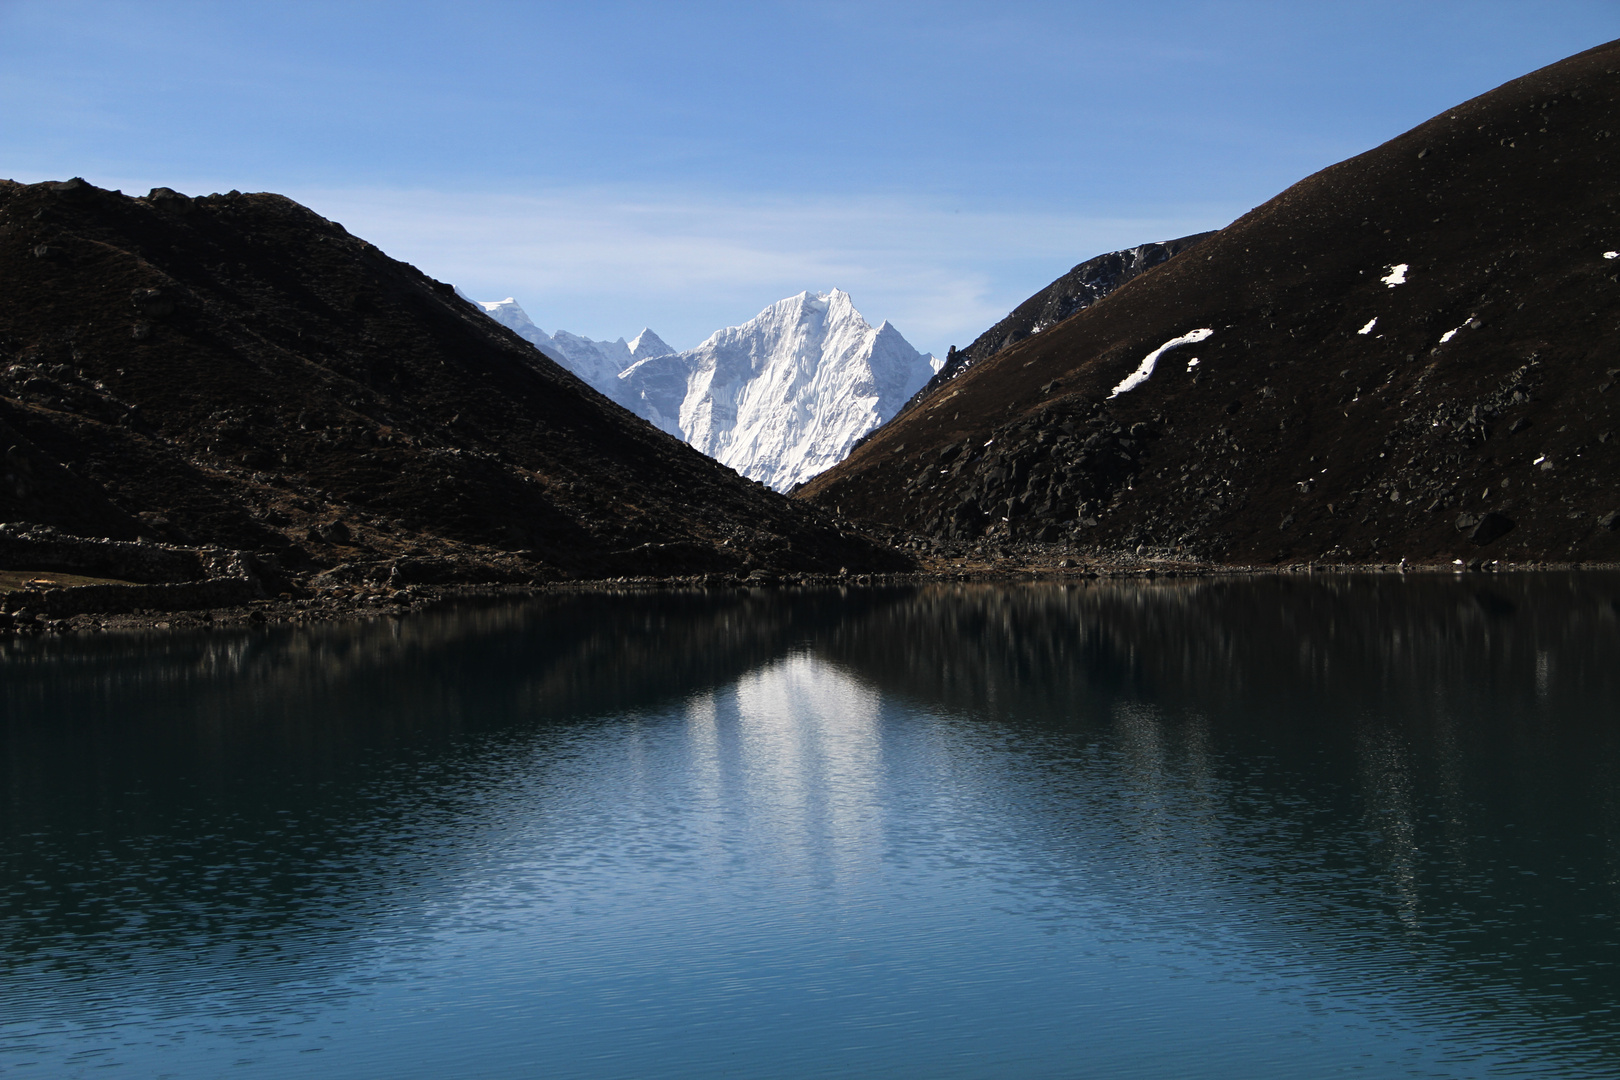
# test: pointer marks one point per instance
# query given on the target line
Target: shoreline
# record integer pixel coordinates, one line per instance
(342, 604)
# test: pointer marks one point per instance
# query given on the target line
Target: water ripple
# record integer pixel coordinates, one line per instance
(1243, 829)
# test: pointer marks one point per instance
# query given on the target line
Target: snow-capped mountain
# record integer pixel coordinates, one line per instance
(779, 398)
(786, 394)
(597, 362)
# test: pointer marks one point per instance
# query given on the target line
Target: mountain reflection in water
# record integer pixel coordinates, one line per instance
(1252, 827)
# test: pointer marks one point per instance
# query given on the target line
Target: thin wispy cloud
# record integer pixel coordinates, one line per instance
(617, 165)
(605, 262)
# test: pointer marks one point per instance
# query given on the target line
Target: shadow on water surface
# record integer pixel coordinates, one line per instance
(1409, 780)
(1398, 788)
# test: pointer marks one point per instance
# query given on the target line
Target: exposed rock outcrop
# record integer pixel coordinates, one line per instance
(235, 371)
(1428, 330)
(1081, 287)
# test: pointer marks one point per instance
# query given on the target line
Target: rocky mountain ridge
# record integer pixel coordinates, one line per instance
(1409, 355)
(1076, 290)
(235, 371)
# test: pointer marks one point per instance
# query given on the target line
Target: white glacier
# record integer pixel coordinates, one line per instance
(779, 399)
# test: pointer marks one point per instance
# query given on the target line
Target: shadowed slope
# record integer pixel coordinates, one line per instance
(1081, 287)
(236, 370)
(1475, 417)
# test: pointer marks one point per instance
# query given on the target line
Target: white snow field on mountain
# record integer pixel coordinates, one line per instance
(780, 398)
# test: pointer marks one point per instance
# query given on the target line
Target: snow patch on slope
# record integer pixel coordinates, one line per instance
(1145, 369)
(1468, 324)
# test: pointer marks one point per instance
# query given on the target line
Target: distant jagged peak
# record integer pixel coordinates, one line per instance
(834, 310)
(785, 394)
(597, 362)
(510, 314)
(591, 343)
(839, 306)
(886, 331)
(647, 344)
(779, 397)
(506, 311)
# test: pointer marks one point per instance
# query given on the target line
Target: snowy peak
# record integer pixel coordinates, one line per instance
(512, 316)
(786, 394)
(779, 398)
(597, 362)
(648, 344)
(505, 311)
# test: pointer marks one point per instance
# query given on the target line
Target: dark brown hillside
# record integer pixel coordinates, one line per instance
(235, 370)
(1475, 419)
(1076, 290)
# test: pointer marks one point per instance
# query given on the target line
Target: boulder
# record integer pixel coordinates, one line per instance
(1492, 526)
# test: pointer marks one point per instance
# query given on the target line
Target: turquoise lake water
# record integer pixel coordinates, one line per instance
(1249, 828)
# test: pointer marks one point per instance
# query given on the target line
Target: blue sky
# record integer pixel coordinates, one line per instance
(614, 165)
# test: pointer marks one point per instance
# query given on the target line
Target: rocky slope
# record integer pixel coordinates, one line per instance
(1411, 354)
(235, 370)
(1081, 287)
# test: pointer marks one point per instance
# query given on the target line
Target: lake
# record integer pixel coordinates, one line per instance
(1267, 827)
